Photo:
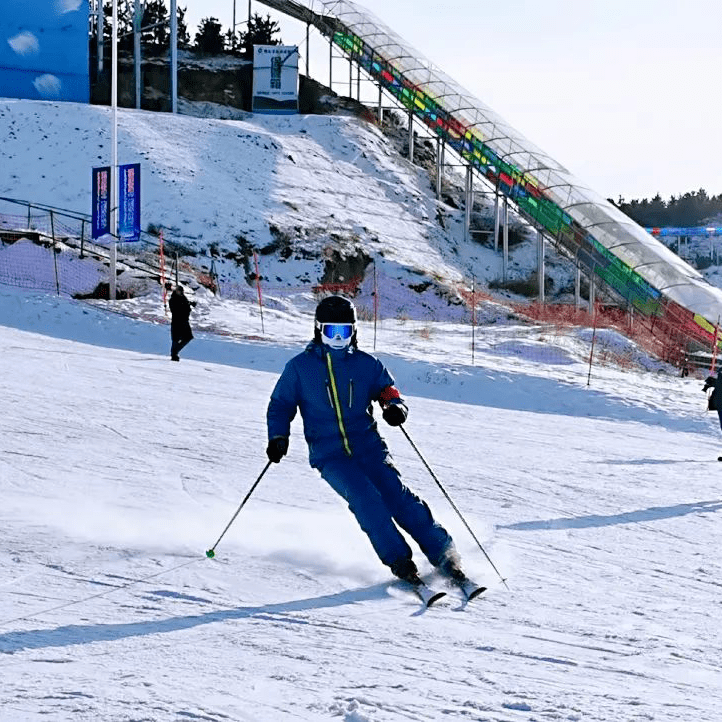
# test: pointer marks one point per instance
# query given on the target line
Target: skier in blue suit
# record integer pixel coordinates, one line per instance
(333, 384)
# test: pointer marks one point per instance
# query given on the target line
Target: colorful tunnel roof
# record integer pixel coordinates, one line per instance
(604, 240)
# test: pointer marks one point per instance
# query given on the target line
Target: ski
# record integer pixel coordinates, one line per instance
(426, 594)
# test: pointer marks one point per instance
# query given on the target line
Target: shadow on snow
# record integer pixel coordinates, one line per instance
(69, 635)
(654, 513)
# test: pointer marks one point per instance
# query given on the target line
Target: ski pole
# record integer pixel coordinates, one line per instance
(450, 500)
(212, 551)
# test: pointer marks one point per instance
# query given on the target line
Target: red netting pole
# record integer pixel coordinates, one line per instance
(591, 352)
(162, 273)
(376, 303)
(258, 287)
(473, 317)
(714, 348)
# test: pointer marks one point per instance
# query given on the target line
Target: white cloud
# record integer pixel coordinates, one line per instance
(24, 43)
(67, 6)
(47, 85)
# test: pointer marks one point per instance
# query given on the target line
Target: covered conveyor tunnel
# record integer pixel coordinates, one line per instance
(605, 243)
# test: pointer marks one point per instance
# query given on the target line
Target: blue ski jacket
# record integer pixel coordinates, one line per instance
(334, 390)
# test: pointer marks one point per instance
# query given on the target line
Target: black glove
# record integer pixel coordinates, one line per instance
(709, 382)
(395, 414)
(277, 448)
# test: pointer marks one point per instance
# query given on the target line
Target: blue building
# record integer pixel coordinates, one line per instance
(44, 50)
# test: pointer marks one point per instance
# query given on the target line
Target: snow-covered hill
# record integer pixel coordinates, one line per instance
(302, 190)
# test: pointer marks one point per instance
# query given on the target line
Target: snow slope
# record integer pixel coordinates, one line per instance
(599, 504)
(315, 181)
(118, 469)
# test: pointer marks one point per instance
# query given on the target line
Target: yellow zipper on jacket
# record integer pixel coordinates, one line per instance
(337, 406)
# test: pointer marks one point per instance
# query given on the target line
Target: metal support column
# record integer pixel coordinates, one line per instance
(578, 287)
(114, 155)
(505, 241)
(137, 61)
(496, 221)
(55, 253)
(541, 266)
(411, 135)
(468, 202)
(439, 167)
(308, 50)
(101, 33)
(592, 293)
(174, 55)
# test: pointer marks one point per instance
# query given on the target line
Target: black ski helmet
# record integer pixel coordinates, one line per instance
(334, 309)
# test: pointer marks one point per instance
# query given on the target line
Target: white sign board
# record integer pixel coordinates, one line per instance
(275, 79)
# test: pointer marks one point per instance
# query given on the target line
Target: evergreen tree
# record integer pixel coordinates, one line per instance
(231, 40)
(260, 31)
(687, 210)
(184, 38)
(125, 27)
(656, 212)
(155, 33)
(155, 27)
(209, 39)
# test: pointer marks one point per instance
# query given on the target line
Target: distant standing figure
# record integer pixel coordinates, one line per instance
(714, 402)
(180, 327)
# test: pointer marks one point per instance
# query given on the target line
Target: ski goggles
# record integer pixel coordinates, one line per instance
(331, 330)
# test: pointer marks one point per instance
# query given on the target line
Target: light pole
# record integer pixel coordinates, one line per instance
(233, 27)
(114, 156)
(174, 56)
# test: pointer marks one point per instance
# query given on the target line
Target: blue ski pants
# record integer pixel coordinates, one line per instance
(379, 500)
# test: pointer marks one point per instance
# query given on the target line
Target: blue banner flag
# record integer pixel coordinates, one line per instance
(101, 201)
(129, 202)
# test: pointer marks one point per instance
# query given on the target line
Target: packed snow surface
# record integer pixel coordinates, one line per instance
(599, 504)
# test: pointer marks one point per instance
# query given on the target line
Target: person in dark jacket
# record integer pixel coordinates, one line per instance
(714, 402)
(334, 385)
(180, 327)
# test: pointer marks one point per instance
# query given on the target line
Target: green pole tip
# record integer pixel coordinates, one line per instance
(210, 553)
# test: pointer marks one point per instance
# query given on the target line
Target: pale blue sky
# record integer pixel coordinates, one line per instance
(625, 93)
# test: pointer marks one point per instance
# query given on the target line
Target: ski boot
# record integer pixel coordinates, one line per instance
(406, 570)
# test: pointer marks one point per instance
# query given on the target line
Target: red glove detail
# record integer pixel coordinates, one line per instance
(389, 394)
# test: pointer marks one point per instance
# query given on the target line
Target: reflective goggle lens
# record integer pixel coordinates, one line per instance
(331, 330)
